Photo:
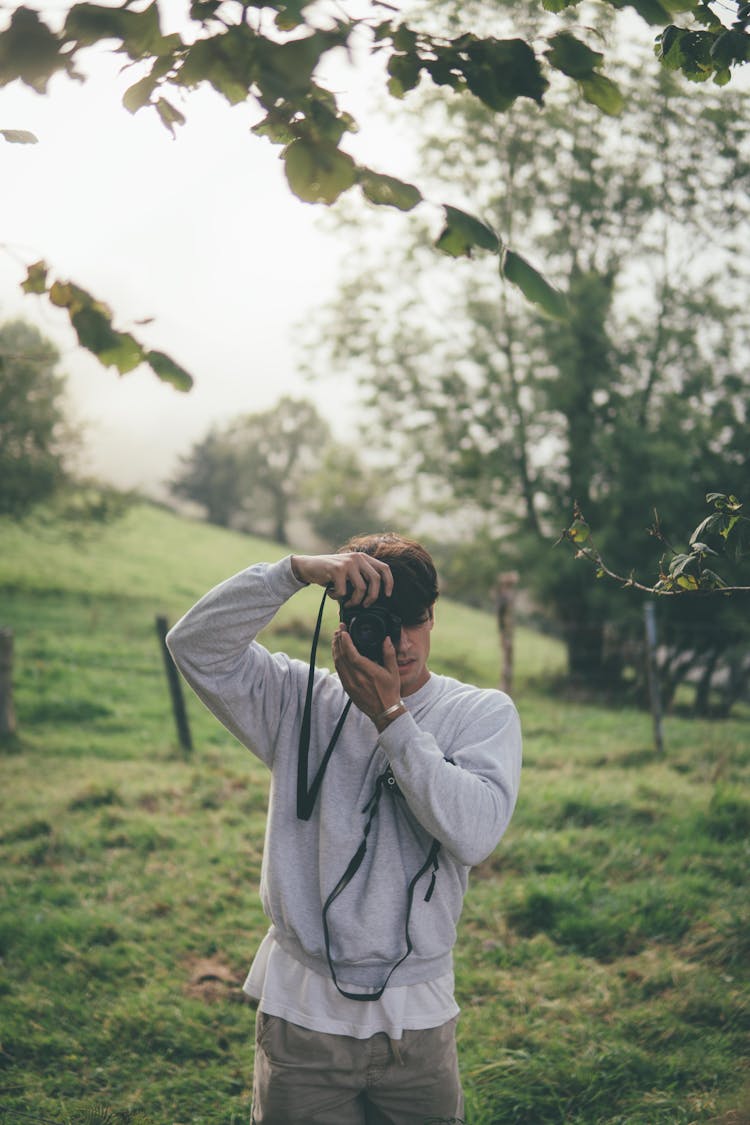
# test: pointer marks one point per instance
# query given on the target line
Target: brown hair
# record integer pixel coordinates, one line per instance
(415, 586)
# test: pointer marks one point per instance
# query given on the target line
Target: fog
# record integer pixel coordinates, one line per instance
(198, 234)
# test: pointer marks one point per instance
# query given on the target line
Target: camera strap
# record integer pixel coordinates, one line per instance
(306, 797)
(386, 779)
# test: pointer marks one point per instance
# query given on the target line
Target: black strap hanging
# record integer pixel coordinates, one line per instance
(306, 797)
(352, 867)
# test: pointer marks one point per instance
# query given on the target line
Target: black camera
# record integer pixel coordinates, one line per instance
(369, 626)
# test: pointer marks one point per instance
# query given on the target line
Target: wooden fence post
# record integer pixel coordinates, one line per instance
(505, 591)
(7, 713)
(649, 616)
(175, 688)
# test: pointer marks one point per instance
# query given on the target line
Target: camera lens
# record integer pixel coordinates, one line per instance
(368, 629)
(368, 633)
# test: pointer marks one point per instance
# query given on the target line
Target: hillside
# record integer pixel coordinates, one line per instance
(603, 952)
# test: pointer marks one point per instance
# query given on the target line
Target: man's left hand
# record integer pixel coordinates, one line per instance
(373, 688)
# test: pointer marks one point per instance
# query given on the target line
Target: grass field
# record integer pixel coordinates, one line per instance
(602, 965)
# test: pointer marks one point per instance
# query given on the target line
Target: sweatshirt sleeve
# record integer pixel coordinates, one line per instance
(463, 794)
(242, 684)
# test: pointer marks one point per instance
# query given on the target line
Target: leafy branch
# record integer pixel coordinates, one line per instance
(275, 69)
(92, 321)
(268, 52)
(680, 572)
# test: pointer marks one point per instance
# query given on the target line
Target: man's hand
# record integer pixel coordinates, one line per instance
(373, 688)
(354, 572)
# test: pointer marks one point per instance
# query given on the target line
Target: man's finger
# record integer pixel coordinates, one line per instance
(390, 659)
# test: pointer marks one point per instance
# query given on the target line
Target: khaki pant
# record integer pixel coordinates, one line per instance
(309, 1078)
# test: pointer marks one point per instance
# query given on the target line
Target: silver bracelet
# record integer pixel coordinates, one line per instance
(391, 710)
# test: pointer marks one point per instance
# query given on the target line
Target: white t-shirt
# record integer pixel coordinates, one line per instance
(283, 987)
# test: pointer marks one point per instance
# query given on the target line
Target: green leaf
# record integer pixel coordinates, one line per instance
(533, 285)
(202, 10)
(382, 31)
(651, 11)
(19, 137)
(579, 531)
(169, 114)
(688, 51)
(675, 6)
(404, 73)
(703, 14)
(138, 95)
(713, 580)
(92, 321)
(444, 71)
(571, 56)
(558, 5)
(276, 128)
(227, 61)
(30, 51)
(463, 233)
(325, 121)
(602, 92)
(498, 71)
(36, 278)
(318, 173)
(139, 32)
(62, 295)
(285, 70)
(387, 191)
(680, 563)
(729, 48)
(709, 524)
(722, 502)
(288, 21)
(96, 334)
(405, 39)
(169, 371)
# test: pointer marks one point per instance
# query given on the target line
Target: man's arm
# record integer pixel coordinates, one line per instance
(240, 682)
(464, 793)
(244, 686)
(351, 572)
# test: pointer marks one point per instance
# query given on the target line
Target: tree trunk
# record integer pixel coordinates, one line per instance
(702, 703)
(506, 589)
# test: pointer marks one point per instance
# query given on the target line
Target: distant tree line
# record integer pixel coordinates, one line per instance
(262, 472)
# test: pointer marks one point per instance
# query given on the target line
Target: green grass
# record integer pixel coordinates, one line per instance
(603, 952)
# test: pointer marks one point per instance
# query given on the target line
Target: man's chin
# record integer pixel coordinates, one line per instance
(412, 677)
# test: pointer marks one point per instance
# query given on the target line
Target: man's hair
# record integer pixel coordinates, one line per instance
(415, 582)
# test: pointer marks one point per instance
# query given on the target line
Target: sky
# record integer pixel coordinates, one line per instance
(199, 232)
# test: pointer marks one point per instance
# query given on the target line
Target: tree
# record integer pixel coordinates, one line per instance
(269, 54)
(637, 397)
(341, 498)
(250, 474)
(209, 475)
(34, 439)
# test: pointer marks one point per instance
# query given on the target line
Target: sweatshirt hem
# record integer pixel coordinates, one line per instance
(414, 970)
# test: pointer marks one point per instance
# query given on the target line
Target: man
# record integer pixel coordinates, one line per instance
(368, 843)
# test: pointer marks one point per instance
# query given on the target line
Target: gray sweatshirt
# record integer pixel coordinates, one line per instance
(455, 756)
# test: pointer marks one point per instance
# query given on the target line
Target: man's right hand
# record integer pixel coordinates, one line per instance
(353, 572)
